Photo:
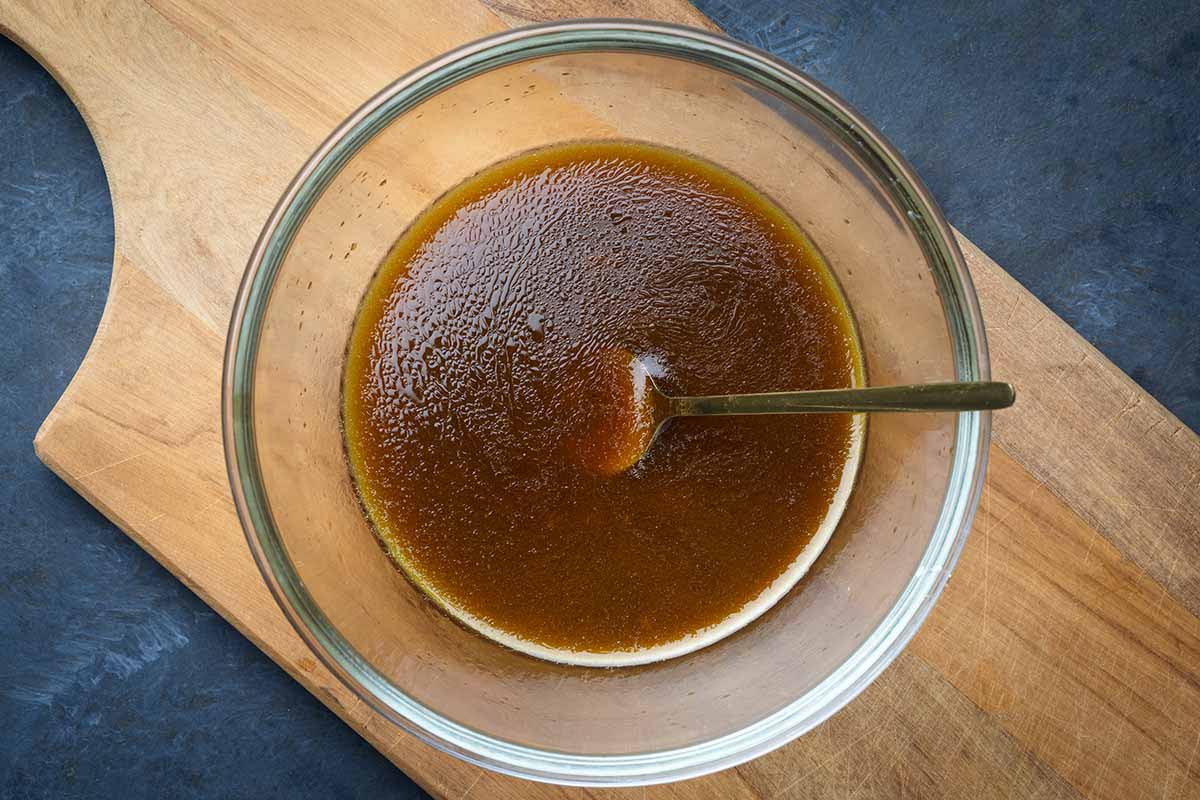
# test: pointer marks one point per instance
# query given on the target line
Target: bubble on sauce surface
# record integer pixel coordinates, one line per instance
(492, 318)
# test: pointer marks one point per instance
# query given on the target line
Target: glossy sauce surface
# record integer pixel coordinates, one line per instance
(483, 349)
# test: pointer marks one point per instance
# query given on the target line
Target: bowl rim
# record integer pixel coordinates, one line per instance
(876, 652)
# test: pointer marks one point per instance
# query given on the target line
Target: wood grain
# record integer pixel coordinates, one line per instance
(1061, 661)
(1128, 466)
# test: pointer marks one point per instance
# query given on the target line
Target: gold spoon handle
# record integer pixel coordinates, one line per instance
(976, 396)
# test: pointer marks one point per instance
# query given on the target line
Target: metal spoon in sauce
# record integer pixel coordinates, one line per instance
(632, 424)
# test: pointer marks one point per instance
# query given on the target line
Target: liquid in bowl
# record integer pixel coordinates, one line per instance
(478, 358)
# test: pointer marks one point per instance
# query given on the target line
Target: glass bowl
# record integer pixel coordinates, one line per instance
(883, 237)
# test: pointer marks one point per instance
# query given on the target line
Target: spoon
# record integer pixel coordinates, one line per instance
(632, 424)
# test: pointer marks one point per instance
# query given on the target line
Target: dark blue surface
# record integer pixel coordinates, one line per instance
(1065, 141)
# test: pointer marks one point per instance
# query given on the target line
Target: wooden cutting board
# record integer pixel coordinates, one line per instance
(1063, 658)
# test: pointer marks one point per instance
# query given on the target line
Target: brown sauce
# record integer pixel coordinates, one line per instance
(482, 349)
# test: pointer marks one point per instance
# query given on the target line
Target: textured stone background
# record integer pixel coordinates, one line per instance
(1065, 141)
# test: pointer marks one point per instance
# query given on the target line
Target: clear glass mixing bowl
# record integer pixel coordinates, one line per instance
(882, 235)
